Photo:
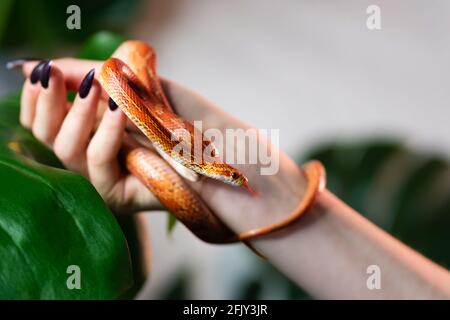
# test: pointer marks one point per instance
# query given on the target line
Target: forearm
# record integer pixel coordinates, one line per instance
(329, 250)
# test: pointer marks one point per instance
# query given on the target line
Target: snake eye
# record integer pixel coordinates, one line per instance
(234, 175)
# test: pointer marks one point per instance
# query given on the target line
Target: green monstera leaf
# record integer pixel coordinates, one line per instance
(58, 239)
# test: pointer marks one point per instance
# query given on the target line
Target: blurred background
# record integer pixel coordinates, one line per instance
(372, 104)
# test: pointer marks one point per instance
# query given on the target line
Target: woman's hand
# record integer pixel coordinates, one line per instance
(85, 135)
(71, 130)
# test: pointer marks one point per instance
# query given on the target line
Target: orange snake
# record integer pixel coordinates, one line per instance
(131, 81)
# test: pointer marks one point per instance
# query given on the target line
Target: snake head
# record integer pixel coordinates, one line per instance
(230, 175)
(238, 179)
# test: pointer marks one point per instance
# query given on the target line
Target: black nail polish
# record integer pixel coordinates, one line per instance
(45, 74)
(36, 73)
(112, 105)
(86, 84)
(19, 62)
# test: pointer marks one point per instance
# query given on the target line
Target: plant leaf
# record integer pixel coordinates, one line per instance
(171, 222)
(100, 46)
(5, 9)
(51, 219)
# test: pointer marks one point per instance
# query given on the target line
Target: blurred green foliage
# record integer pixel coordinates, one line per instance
(405, 192)
(40, 26)
(179, 287)
(100, 46)
(51, 219)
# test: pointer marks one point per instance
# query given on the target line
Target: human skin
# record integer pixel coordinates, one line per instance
(327, 251)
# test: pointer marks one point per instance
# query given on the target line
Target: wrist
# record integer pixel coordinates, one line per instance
(287, 204)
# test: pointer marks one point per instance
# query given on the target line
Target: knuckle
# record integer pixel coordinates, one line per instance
(80, 114)
(64, 152)
(110, 124)
(93, 156)
(42, 135)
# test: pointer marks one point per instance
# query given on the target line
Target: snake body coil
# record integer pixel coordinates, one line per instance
(130, 79)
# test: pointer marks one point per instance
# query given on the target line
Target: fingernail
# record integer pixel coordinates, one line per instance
(112, 105)
(86, 84)
(45, 74)
(36, 73)
(19, 62)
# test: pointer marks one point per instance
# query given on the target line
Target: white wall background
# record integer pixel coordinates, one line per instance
(309, 68)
